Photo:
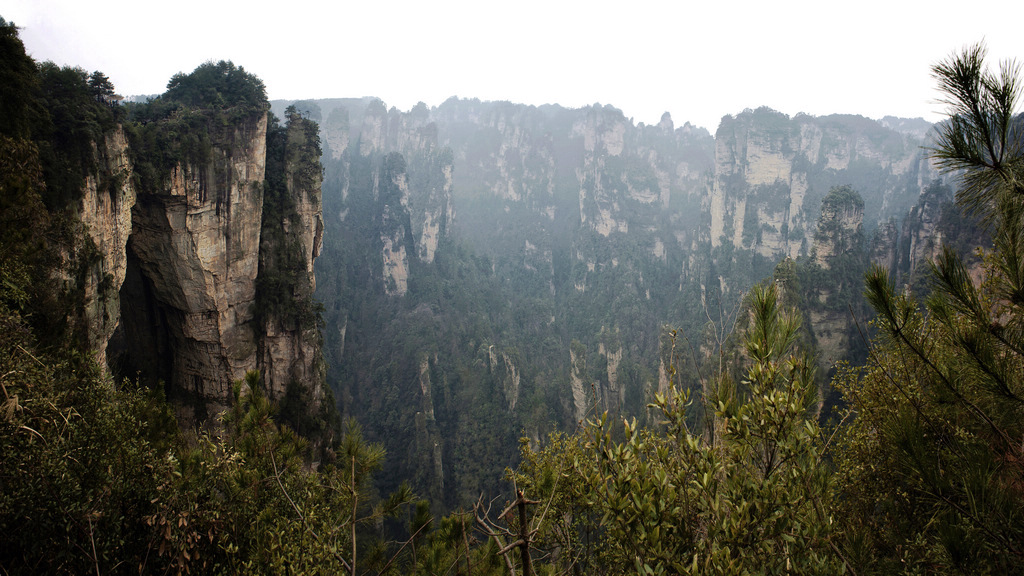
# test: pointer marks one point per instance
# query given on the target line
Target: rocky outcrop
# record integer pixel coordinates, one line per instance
(834, 276)
(772, 171)
(431, 208)
(196, 241)
(412, 179)
(429, 443)
(425, 388)
(105, 208)
(840, 227)
(373, 129)
(922, 235)
(905, 247)
(334, 133)
(600, 189)
(557, 169)
(505, 371)
(219, 269)
(614, 393)
(393, 192)
(292, 238)
(579, 384)
(884, 244)
(396, 261)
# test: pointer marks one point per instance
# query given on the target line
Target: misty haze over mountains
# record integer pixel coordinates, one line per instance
(520, 268)
(329, 336)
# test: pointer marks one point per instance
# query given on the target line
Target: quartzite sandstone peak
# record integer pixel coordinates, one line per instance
(189, 307)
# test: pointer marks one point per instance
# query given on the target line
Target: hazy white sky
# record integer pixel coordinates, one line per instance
(697, 60)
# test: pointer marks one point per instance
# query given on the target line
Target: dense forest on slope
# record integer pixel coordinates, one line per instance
(517, 269)
(489, 271)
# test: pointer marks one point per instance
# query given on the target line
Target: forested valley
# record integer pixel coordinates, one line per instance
(326, 336)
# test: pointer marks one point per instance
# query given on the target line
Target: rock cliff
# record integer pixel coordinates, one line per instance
(772, 171)
(105, 208)
(840, 227)
(218, 273)
(535, 255)
(833, 276)
(196, 242)
(291, 239)
(411, 174)
(904, 247)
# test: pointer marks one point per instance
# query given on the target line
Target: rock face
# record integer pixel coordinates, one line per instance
(424, 183)
(839, 256)
(196, 242)
(218, 278)
(922, 234)
(840, 227)
(605, 226)
(428, 440)
(600, 192)
(578, 381)
(884, 244)
(614, 393)
(393, 192)
(536, 184)
(535, 255)
(292, 238)
(412, 180)
(905, 247)
(105, 208)
(505, 371)
(772, 171)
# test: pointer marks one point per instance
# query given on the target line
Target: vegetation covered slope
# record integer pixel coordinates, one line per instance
(922, 476)
(511, 268)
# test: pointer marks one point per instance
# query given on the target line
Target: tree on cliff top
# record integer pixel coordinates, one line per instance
(217, 85)
(18, 81)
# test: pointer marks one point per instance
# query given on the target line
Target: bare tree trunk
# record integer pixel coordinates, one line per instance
(355, 505)
(524, 535)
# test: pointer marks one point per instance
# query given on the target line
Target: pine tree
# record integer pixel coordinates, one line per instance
(932, 465)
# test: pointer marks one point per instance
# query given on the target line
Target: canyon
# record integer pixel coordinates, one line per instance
(519, 269)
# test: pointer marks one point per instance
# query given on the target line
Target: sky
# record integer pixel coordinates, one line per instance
(698, 61)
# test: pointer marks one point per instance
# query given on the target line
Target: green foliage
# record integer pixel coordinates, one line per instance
(981, 138)
(97, 478)
(750, 496)
(930, 466)
(219, 85)
(283, 289)
(79, 461)
(842, 198)
(18, 84)
(198, 112)
(840, 201)
(74, 124)
(24, 260)
(100, 85)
